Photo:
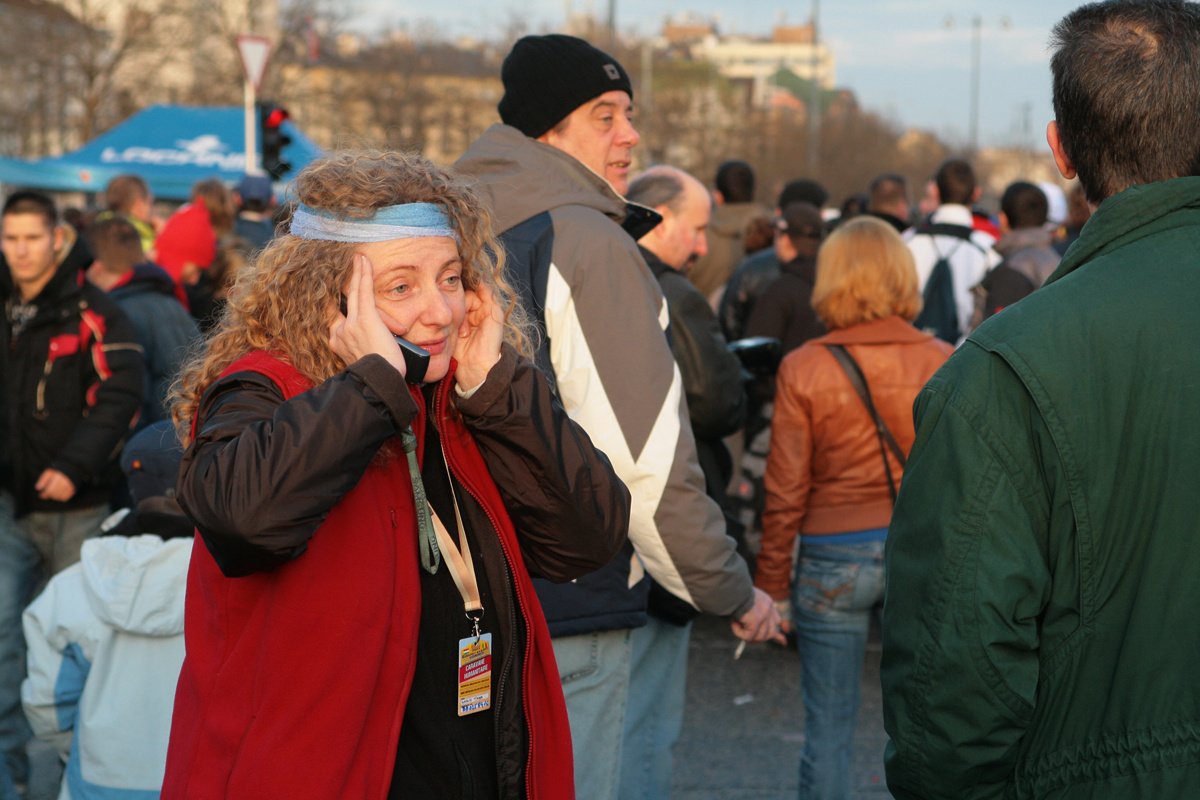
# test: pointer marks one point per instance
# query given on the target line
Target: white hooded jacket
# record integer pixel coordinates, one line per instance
(105, 646)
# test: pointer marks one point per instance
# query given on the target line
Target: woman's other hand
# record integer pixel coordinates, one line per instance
(479, 338)
(361, 331)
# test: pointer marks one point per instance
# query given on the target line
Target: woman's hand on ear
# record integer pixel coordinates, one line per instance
(479, 338)
(361, 331)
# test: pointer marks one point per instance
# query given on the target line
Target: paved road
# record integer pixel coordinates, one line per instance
(744, 723)
(741, 732)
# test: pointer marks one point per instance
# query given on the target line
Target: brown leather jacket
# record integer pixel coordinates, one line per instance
(825, 472)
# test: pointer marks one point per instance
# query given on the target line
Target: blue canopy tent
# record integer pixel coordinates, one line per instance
(171, 147)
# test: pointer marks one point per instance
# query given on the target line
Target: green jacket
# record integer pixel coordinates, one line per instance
(1041, 626)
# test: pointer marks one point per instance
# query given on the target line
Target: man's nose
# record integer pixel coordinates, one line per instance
(628, 135)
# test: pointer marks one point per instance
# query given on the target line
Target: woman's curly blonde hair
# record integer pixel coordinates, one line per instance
(286, 300)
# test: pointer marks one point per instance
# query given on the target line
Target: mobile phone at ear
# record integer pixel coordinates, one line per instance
(416, 359)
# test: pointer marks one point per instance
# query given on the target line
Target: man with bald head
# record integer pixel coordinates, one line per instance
(716, 405)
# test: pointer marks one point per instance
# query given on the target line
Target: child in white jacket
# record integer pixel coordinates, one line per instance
(105, 638)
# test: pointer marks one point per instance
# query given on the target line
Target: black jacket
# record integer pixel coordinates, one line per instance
(712, 376)
(783, 309)
(71, 385)
(744, 286)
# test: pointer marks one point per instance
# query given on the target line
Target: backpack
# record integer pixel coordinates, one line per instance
(939, 316)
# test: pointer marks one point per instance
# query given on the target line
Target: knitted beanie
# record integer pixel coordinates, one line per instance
(547, 77)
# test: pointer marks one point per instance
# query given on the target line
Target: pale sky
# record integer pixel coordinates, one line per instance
(909, 60)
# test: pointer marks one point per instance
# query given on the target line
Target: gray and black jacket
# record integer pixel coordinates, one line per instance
(602, 316)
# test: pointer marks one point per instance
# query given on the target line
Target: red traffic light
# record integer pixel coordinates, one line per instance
(276, 117)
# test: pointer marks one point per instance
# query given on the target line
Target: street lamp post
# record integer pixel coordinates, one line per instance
(814, 100)
(976, 58)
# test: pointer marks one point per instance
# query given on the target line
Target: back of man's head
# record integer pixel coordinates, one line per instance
(116, 244)
(686, 208)
(657, 187)
(1126, 92)
(889, 195)
(802, 223)
(32, 201)
(1024, 205)
(803, 190)
(123, 192)
(547, 77)
(955, 182)
(735, 182)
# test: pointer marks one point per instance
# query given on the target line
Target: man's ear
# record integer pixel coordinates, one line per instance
(718, 198)
(1004, 226)
(1056, 146)
(60, 238)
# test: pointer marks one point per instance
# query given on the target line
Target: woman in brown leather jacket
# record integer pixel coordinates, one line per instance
(827, 480)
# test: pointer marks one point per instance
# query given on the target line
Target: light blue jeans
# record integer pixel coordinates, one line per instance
(31, 550)
(594, 669)
(836, 589)
(654, 714)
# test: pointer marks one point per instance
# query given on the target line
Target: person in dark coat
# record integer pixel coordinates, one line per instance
(71, 382)
(784, 309)
(146, 293)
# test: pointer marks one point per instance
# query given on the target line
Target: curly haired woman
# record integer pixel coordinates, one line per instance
(361, 622)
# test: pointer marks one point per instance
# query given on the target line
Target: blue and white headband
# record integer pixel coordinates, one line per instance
(406, 221)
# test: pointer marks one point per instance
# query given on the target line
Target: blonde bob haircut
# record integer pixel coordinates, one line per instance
(865, 271)
(287, 299)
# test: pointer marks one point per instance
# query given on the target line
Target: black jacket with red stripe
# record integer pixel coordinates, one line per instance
(71, 385)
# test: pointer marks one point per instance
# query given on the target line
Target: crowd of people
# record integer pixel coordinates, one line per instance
(415, 488)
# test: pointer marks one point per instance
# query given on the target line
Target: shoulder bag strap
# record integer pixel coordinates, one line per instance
(859, 382)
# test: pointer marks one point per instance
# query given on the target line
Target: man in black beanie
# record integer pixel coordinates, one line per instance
(556, 171)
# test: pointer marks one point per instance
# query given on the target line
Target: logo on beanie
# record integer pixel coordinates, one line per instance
(612, 72)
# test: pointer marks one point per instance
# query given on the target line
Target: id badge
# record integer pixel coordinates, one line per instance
(474, 674)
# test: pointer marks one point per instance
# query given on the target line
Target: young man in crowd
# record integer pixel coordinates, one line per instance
(71, 382)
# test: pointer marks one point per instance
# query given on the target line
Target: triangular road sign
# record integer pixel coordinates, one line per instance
(255, 52)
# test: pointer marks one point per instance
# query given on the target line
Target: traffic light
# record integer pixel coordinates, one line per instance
(273, 139)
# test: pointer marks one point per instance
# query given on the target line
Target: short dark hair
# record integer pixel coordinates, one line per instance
(803, 190)
(116, 243)
(656, 188)
(955, 182)
(1025, 205)
(887, 190)
(735, 181)
(1126, 91)
(125, 190)
(802, 222)
(32, 201)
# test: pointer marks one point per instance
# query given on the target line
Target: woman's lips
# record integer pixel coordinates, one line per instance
(434, 347)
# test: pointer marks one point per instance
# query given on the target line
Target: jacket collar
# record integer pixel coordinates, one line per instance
(802, 266)
(534, 177)
(1127, 216)
(657, 265)
(891, 330)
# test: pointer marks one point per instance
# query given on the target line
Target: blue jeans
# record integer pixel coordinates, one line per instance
(654, 713)
(836, 589)
(594, 669)
(31, 550)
